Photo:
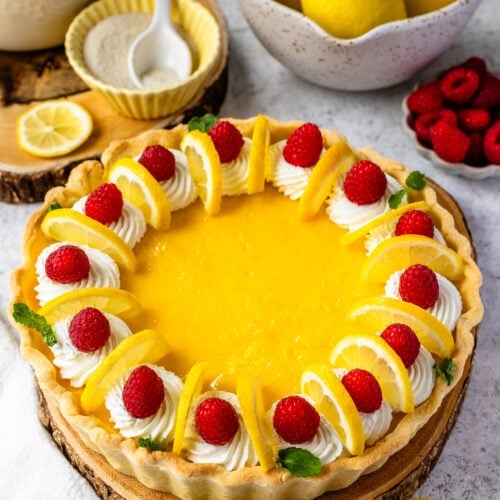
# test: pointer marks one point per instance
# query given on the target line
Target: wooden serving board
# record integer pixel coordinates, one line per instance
(34, 76)
(397, 479)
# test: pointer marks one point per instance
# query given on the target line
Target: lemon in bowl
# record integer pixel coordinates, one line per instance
(386, 55)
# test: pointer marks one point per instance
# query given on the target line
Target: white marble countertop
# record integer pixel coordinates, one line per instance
(31, 464)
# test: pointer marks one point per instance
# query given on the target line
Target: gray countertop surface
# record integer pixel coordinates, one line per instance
(32, 466)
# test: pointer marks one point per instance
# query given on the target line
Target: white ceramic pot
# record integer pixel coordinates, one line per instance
(36, 24)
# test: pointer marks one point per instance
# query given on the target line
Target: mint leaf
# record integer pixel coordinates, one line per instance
(25, 316)
(416, 181)
(203, 123)
(397, 198)
(54, 205)
(299, 462)
(445, 370)
(150, 444)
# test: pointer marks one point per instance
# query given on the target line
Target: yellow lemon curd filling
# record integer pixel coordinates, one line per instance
(253, 288)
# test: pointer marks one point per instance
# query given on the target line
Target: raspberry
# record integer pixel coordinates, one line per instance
(364, 390)
(488, 96)
(227, 140)
(473, 120)
(143, 392)
(89, 330)
(492, 143)
(104, 204)
(476, 64)
(404, 341)
(475, 154)
(418, 284)
(459, 84)
(449, 142)
(365, 183)
(303, 147)
(295, 420)
(424, 123)
(426, 98)
(67, 264)
(415, 222)
(216, 421)
(159, 161)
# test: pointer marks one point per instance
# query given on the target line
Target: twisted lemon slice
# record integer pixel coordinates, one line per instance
(204, 166)
(140, 188)
(372, 353)
(253, 413)
(399, 252)
(338, 157)
(376, 313)
(192, 389)
(146, 346)
(352, 236)
(258, 155)
(334, 402)
(65, 224)
(112, 300)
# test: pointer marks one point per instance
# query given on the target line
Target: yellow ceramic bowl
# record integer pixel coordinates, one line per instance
(193, 17)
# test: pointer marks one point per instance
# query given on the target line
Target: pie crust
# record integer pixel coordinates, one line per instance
(165, 472)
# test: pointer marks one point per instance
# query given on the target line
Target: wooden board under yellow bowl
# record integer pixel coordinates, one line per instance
(397, 479)
(41, 75)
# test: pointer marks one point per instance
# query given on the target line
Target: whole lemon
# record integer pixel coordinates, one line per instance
(353, 18)
(418, 7)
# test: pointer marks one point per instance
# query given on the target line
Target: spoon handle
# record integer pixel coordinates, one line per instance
(162, 14)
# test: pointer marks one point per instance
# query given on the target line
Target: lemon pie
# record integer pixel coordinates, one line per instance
(281, 327)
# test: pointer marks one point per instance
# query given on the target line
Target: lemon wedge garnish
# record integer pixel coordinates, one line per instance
(258, 155)
(146, 346)
(53, 128)
(389, 216)
(376, 313)
(334, 402)
(191, 390)
(112, 300)
(372, 353)
(399, 252)
(252, 410)
(205, 168)
(338, 156)
(140, 188)
(65, 224)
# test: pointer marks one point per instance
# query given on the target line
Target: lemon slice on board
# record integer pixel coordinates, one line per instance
(258, 155)
(146, 346)
(65, 224)
(191, 390)
(53, 128)
(205, 168)
(112, 300)
(254, 416)
(376, 313)
(372, 353)
(140, 188)
(351, 236)
(338, 156)
(334, 402)
(399, 252)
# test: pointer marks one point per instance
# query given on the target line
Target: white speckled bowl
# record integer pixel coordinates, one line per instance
(385, 56)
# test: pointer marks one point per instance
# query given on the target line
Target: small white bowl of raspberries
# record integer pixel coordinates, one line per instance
(454, 119)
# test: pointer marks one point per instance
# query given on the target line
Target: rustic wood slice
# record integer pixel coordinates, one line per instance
(398, 478)
(33, 76)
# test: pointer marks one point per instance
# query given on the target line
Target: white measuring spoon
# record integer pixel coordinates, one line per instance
(159, 50)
